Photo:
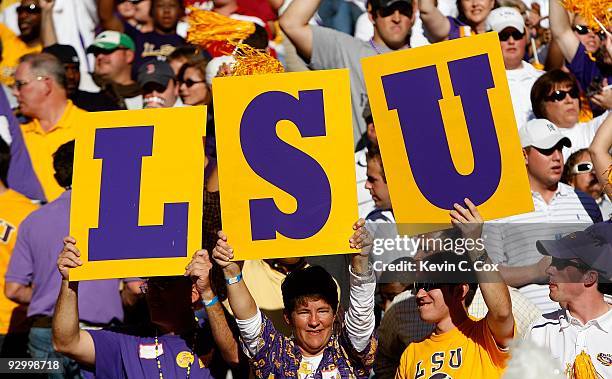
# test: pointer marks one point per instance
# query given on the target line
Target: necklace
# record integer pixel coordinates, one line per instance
(193, 355)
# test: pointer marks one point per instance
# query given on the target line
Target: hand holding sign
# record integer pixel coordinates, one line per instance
(199, 271)
(69, 258)
(223, 254)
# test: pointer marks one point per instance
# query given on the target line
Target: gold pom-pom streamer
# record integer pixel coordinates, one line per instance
(583, 368)
(206, 27)
(609, 175)
(592, 11)
(250, 61)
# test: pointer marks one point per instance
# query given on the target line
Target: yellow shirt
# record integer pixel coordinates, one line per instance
(468, 351)
(13, 48)
(14, 207)
(42, 145)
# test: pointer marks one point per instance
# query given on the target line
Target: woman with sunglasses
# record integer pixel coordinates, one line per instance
(586, 56)
(600, 155)
(193, 88)
(555, 97)
(471, 19)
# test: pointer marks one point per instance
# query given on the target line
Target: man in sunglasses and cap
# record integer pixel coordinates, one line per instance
(323, 48)
(559, 209)
(460, 346)
(159, 86)
(510, 25)
(579, 276)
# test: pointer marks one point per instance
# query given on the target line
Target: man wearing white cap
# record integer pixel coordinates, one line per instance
(510, 25)
(558, 210)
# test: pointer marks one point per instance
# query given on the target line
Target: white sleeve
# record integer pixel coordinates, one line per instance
(250, 330)
(360, 315)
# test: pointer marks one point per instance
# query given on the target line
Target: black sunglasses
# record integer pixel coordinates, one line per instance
(189, 83)
(31, 9)
(150, 87)
(505, 35)
(559, 95)
(403, 8)
(561, 264)
(584, 30)
(426, 286)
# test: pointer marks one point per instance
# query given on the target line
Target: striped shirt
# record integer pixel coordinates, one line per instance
(511, 241)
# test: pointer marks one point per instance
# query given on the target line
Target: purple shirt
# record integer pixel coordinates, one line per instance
(585, 70)
(34, 258)
(21, 176)
(127, 356)
(151, 45)
(458, 29)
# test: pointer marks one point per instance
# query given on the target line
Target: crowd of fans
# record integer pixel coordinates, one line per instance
(339, 316)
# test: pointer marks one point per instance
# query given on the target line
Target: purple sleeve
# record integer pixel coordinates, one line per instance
(272, 351)
(583, 68)
(21, 266)
(5, 110)
(107, 347)
(455, 28)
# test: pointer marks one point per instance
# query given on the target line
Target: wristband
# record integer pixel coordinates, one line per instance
(211, 302)
(233, 280)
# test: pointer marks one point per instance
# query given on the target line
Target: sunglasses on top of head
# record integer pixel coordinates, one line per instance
(403, 8)
(559, 95)
(31, 9)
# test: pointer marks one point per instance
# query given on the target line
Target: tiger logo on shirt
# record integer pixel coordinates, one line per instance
(437, 362)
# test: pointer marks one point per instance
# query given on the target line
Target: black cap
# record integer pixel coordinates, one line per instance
(65, 53)
(155, 71)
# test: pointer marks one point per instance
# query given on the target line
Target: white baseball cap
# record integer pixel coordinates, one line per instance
(542, 134)
(505, 17)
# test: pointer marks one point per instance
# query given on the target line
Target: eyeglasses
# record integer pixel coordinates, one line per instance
(584, 30)
(189, 83)
(582, 168)
(21, 83)
(403, 8)
(31, 9)
(559, 95)
(505, 35)
(561, 264)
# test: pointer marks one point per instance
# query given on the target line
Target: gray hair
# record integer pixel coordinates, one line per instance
(45, 64)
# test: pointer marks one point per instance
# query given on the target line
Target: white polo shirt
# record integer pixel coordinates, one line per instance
(566, 337)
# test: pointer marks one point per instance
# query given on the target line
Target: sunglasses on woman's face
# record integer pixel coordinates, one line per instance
(190, 83)
(559, 95)
(584, 30)
(582, 168)
(505, 35)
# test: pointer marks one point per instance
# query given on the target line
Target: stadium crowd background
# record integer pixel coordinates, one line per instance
(333, 317)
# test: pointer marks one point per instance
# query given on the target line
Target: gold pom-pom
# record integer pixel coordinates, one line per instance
(206, 27)
(583, 368)
(250, 61)
(610, 175)
(592, 11)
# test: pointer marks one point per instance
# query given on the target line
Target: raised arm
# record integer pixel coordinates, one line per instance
(68, 338)
(522, 275)
(492, 285)
(240, 299)
(434, 22)
(108, 18)
(561, 29)
(199, 270)
(600, 155)
(47, 27)
(294, 23)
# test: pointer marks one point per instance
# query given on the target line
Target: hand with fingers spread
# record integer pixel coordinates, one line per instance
(223, 253)
(468, 220)
(68, 258)
(199, 271)
(361, 238)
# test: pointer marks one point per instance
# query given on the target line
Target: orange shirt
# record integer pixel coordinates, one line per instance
(14, 207)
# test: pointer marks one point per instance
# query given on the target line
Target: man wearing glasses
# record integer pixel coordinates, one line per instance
(460, 346)
(513, 39)
(578, 276)
(40, 90)
(559, 209)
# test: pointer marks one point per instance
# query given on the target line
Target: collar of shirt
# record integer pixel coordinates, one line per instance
(34, 125)
(562, 190)
(603, 322)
